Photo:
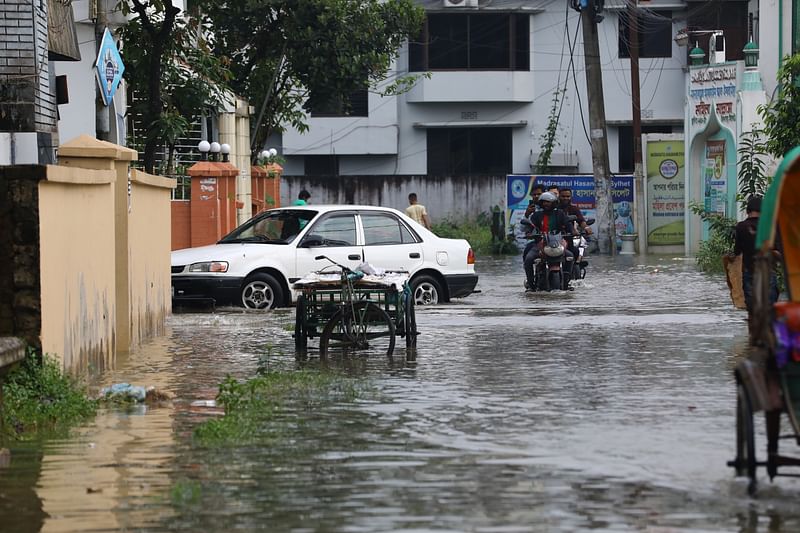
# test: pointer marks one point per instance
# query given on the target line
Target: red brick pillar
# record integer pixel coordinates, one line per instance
(213, 206)
(266, 186)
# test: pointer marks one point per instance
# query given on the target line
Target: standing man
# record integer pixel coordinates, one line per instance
(745, 244)
(302, 198)
(417, 211)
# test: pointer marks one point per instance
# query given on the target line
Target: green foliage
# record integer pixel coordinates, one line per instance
(260, 409)
(720, 241)
(548, 138)
(185, 492)
(782, 115)
(285, 53)
(171, 72)
(753, 178)
(478, 232)
(40, 399)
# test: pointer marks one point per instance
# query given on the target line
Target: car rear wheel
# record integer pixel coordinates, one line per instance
(426, 290)
(261, 291)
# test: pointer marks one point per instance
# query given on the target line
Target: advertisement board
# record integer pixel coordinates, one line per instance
(666, 188)
(518, 195)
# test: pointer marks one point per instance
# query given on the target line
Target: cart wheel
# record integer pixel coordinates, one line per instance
(410, 323)
(300, 329)
(358, 326)
(745, 439)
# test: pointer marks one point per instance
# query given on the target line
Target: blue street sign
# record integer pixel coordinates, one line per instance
(108, 67)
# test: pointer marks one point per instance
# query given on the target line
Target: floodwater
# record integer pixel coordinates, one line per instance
(607, 408)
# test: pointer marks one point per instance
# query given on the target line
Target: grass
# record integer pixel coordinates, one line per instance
(478, 232)
(261, 408)
(38, 398)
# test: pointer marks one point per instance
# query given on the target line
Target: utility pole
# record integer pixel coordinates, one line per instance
(102, 121)
(638, 167)
(597, 131)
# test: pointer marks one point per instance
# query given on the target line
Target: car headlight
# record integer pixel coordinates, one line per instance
(209, 266)
(554, 251)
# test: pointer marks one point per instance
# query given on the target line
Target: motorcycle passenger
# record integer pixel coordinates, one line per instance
(548, 219)
(533, 205)
(565, 204)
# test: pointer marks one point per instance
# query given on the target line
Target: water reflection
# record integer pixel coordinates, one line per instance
(609, 407)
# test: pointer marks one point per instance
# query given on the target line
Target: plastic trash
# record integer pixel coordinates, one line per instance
(124, 392)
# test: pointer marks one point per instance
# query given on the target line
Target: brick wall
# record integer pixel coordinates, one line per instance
(27, 93)
(181, 224)
(20, 301)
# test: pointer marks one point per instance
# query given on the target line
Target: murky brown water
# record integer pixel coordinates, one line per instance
(609, 408)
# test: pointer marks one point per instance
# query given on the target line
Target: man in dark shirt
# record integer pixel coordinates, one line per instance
(565, 204)
(745, 244)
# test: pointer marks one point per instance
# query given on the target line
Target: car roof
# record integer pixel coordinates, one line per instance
(334, 207)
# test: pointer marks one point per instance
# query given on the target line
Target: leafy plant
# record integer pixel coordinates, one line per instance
(753, 154)
(548, 138)
(720, 241)
(782, 115)
(39, 398)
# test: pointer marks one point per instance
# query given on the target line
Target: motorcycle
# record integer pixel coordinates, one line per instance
(579, 247)
(550, 268)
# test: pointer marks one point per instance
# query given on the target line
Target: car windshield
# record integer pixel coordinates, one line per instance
(271, 227)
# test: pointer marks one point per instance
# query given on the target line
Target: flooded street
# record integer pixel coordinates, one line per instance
(610, 407)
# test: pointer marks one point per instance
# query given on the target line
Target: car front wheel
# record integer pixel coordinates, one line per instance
(261, 291)
(427, 291)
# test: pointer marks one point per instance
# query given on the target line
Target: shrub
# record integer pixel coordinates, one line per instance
(478, 232)
(39, 398)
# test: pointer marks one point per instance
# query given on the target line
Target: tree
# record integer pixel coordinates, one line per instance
(284, 53)
(782, 115)
(171, 71)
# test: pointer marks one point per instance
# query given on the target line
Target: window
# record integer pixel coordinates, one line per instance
(321, 165)
(730, 17)
(472, 42)
(465, 151)
(625, 143)
(337, 230)
(380, 229)
(655, 34)
(355, 105)
(795, 28)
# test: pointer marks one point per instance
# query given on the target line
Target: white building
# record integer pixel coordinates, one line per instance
(494, 69)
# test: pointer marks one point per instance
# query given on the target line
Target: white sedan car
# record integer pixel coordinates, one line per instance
(256, 264)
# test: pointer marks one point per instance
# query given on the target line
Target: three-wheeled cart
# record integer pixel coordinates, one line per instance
(768, 379)
(353, 314)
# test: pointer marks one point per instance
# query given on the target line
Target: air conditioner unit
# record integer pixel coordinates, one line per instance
(460, 3)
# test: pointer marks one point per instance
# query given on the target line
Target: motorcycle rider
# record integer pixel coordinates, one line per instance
(548, 219)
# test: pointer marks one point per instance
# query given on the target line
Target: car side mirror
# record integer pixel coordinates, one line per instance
(525, 223)
(313, 241)
(589, 221)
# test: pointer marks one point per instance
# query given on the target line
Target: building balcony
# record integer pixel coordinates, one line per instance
(474, 86)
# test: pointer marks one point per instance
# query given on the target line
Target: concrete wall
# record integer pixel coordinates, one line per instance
(68, 287)
(149, 240)
(78, 306)
(447, 197)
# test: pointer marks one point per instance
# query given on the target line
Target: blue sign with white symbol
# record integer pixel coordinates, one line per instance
(108, 67)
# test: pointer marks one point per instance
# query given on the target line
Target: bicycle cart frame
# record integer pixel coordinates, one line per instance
(768, 379)
(318, 304)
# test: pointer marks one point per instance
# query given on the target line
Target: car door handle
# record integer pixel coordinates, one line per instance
(414, 255)
(354, 257)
